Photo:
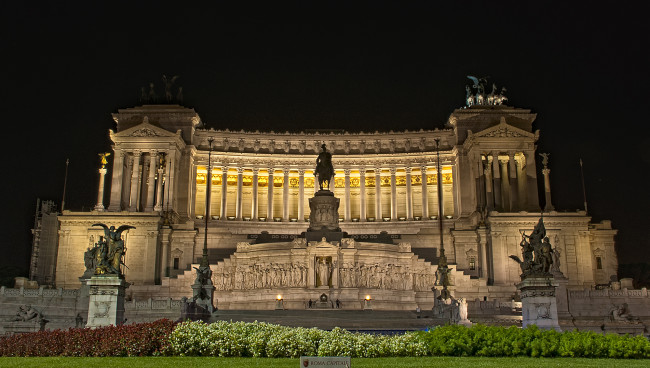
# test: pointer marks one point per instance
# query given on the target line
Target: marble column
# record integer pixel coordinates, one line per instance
(362, 194)
(168, 181)
(254, 209)
(532, 197)
(521, 183)
(301, 195)
(151, 181)
(547, 189)
(116, 182)
(489, 195)
(505, 185)
(125, 203)
(496, 182)
(159, 187)
(135, 178)
(348, 213)
(100, 192)
(378, 214)
(224, 194)
(425, 195)
(393, 194)
(171, 166)
(409, 195)
(269, 201)
(240, 187)
(514, 197)
(285, 194)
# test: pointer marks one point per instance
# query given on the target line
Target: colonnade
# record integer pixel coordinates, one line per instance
(140, 180)
(507, 180)
(391, 200)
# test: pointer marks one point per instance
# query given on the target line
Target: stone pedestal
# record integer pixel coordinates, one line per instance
(539, 305)
(15, 328)
(106, 300)
(324, 212)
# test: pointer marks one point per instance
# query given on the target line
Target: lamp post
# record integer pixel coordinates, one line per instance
(443, 270)
(208, 190)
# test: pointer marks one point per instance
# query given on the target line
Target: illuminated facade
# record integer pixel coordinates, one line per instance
(262, 182)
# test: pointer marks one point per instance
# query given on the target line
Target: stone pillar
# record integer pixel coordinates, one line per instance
(483, 254)
(269, 202)
(100, 192)
(393, 194)
(505, 185)
(362, 194)
(106, 301)
(514, 197)
(489, 195)
(285, 194)
(135, 178)
(521, 183)
(348, 213)
(538, 302)
(126, 184)
(151, 181)
(168, 183)
(425, 195)
(301, 195)
(159, 187)
(171, 165)
(240, 183)
(224, 193)
(409, 195)
(496, 180)
(165, 234)
(116, 182)
(532, 197)
(254, 209)
(378, 214)
(547, 189)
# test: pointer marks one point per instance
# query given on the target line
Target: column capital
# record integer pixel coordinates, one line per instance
(393, 170)
(377, 170)
(256, 170)
(225, 169)
(347, 171)
(546, 171)
(270, 170)
(240, 170)
(301, 172)
(408, 169)
(362, 172)
(424, 168)
(286, 170)
(137, 153)
(504, 161)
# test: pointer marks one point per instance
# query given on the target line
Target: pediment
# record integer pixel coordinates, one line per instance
(322, 244)
(146, 129)
(502, 130)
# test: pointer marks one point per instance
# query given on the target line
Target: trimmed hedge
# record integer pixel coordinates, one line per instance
(487, 341)
(127, 340)
(258, 339)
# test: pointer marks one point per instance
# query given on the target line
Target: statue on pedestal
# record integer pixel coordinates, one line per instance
(107, 256)
(324, 168)
(536, 251)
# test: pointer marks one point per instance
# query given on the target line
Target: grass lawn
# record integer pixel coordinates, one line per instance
(176, 362)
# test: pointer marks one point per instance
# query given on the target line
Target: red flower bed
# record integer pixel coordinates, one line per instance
(127, 340)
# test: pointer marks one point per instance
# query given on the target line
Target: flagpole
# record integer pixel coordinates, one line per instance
(584, 191)
(65, 182)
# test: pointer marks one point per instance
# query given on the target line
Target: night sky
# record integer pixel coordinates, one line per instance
(582, 68)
